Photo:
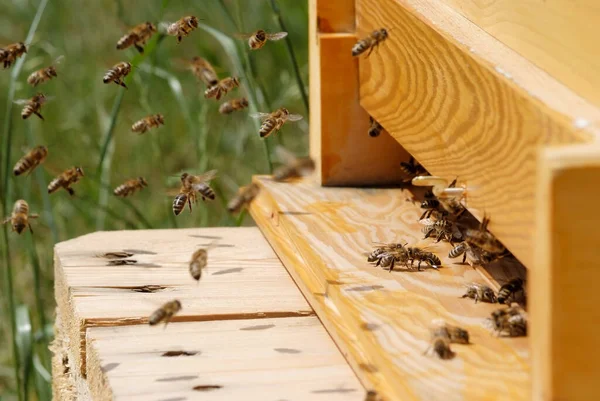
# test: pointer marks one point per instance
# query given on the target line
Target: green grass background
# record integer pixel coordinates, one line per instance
(88, 124)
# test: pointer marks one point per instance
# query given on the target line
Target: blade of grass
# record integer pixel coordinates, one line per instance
(43, 380)
(25, 344)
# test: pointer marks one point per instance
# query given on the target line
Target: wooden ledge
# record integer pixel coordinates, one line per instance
(380, 320)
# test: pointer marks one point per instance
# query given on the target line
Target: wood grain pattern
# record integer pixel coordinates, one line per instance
(564, 312)
(558, 36)
(466, 106)
(380, 320)
(244, 279)
(265, 359)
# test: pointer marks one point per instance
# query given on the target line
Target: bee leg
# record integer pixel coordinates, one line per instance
(70, 191)
(464, 257)
(392, 264)
(423, 215)
(439, 237)
(30, 229)
(120, 82)
(179, 39)
(37, 113)
(139, 48)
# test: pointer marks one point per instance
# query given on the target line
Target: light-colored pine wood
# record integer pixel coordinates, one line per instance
(244, 279)
(334, 15)
(559, 36)
(380, 320)
(264, 359)
(564, 301)
(467, 106)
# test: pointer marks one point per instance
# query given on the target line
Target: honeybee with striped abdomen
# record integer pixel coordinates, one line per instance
(33, 105)
(511, 320)
(31, 160)
(233, 105)
(182, 27)
(508, 292)
(370, 42)
(65, 180)
(151, 121)
(442, 229)
(293, 167)
(480, 292)
(117, 73)
(442, 335)
(221, 89)
(412, 168)
(243, 198)
(484, 239)
(272, 122)
(19, 219)
(190, 186)
(10, 53)
(44, 74)
(165, 313)
(137, 36)
(198, 263)
(258, 39)
(129, 187)
(204, 71)
(420, 255)
(375, 128)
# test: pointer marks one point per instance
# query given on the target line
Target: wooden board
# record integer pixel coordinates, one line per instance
(266, 359)
(559, 36)
(334, 15)
(380, 320)
(245, 279)
(467, 106)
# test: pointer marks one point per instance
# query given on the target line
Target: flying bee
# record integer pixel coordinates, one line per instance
(65, 180)
(442, 229)
(420, 255)
(511, 320)
(164, 313)
(117, 73)
(372, 396)
(272, 122)
(198, 263)
(129, 187)
(10, 53)
(151, 121)
(233, 105)
(182, 27)
(203, 71)
(480, 292)
(258, 39)
(293, 167)
(370, 42)
(510, 290)
(375, 128)
(483, 239)
(31, 160)
(137, 37)
(243, 198)
(19, 219)
(223, 87)
(190, 186)
(44, 74)
(33, 105)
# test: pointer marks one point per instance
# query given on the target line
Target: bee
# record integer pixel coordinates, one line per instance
(137, 37)
(121, 262)
(448, 196)
(44, 74)
(151, 121)
(293, 167)
(11, 53)
(243, 198)
(31, 160)
(483, 239)
(370, 42)
(455, 334)
(117, 73)
(164, 313)
(198, 263)
(511, 320)
(129, 187)
(258, 39)
(223, 87)
(182, 27)
(509, 290)
(272, 122)
(421, 255)
(442, 229)
(480, 292)
(375, 128)
(33, 105)
(65, 180)
(19, 219)
(233, 105)
(430, 206)
(412, 169)
(190, 185)
(372, 396)
(116, 255)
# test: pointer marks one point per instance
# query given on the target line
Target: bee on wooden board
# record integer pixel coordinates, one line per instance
(121, 262)
(65, 180)
(191, 185)
(129, 187)
(412, 168)
(258, 39)
(370, 42)
(33, 105)
(137, 37)
(116, 255)
(480, 292)
(442, 229)
(117, 73)
(448, 195)
(45, 74)
(293, 166)
(203, 71)
(442, 335)
(243, 198)
(375, 128)
(483, 239)
(511, 321)
(182, 27)
(10, 53)
(233, 105)
(272, 122)
(30, 160)
(420, 255)
(151, 121)
(165, 313)
(508, 292)
(19, 219)
(222, 88)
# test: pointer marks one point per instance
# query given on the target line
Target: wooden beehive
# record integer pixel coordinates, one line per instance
(472, 89)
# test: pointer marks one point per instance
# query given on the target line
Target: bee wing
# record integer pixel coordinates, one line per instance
(427, 222)
(260, 115)
(48, 99)
(172, 192)
(163, 27)
(284, 155)
(59, 60)
(277, 36)
(244, 35)
(294, 117)
(204, 177)
(21, 101)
